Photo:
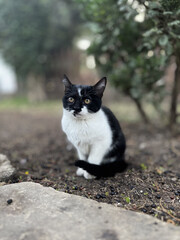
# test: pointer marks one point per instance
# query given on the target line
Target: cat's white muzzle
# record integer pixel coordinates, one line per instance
(83, 114)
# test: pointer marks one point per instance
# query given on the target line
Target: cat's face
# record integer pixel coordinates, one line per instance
(81, 100)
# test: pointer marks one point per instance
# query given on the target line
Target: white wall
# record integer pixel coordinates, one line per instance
(8, 83)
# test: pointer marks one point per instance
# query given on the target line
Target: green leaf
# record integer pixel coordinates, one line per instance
(146, 45)
(173, 35)
(150, 32)
(116, 32)
(167, 13)
(153, 13)
(178, 12)
(170, 5)
(174, 23)
(127, 199)
(154, 5)
(163, 40)
(169, 49)
(143, 166)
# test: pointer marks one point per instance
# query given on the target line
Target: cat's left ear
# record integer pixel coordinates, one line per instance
(66, 83)
(99, 87)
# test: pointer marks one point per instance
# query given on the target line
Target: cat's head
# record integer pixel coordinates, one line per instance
(82, 100)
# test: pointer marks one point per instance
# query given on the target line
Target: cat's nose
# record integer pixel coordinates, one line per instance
(77, 109)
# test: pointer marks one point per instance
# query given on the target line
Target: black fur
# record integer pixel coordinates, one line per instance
(103, 170)
(118, 143)
(117, 152)
(87, 92)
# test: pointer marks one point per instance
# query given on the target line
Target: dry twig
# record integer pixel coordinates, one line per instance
(166, 211)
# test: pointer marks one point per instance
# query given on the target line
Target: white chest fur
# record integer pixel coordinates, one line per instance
(91, 130)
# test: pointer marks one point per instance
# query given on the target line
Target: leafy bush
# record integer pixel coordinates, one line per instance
(132, 51)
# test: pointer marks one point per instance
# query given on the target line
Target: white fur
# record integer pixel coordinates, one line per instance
(79, 91)
(91, 135)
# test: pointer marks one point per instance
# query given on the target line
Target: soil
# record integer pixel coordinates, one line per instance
(38, 150)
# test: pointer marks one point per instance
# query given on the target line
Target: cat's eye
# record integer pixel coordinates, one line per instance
(87, 101)
(71, 99)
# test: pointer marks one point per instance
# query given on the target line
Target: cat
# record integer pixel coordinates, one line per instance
(93, 130)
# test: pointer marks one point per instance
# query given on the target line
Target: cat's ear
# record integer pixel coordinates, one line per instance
(99, 87)
(66, 82)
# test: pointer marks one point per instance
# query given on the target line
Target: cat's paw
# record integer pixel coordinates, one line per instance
(80, 172)
(88, 176)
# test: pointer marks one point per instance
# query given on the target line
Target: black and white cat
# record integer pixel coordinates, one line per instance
(93, 130)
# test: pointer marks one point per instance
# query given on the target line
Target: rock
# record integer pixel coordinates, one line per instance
(42, 213)
(142, 145)
(6, 169)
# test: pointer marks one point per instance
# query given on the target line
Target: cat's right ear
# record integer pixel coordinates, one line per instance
(66, 83)
(100, 86)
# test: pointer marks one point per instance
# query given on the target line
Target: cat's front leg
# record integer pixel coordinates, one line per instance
(97, 153)
(80, 171)
(87, 175)
(95, 157)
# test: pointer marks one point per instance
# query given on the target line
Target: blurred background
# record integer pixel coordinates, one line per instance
(135, 43)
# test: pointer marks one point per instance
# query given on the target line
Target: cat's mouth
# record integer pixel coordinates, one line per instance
(76, 114)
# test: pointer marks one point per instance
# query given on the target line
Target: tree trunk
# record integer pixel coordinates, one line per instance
(141, 110)
(36, 90)
(21, 87)
(175, 93)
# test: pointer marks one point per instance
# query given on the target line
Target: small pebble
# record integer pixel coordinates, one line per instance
(119, 204)
(103, 195)
(151, 212)
(144, 210)
(163, 214)
(142, 145)
(9, 201)
(158, 196)
(23, 161)
(112, 193)
(141, 191)
(98, 196)
(172, 208)
(112, 188)
(178, 175)
(171, 196)
(144, 177)
(153, 205)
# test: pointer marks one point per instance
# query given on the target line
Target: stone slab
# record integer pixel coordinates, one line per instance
(41, 213)
(6, 169)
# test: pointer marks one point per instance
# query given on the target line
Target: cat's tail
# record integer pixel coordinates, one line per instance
(104, 170)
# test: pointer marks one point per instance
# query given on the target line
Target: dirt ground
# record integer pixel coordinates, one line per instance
(38, 150)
